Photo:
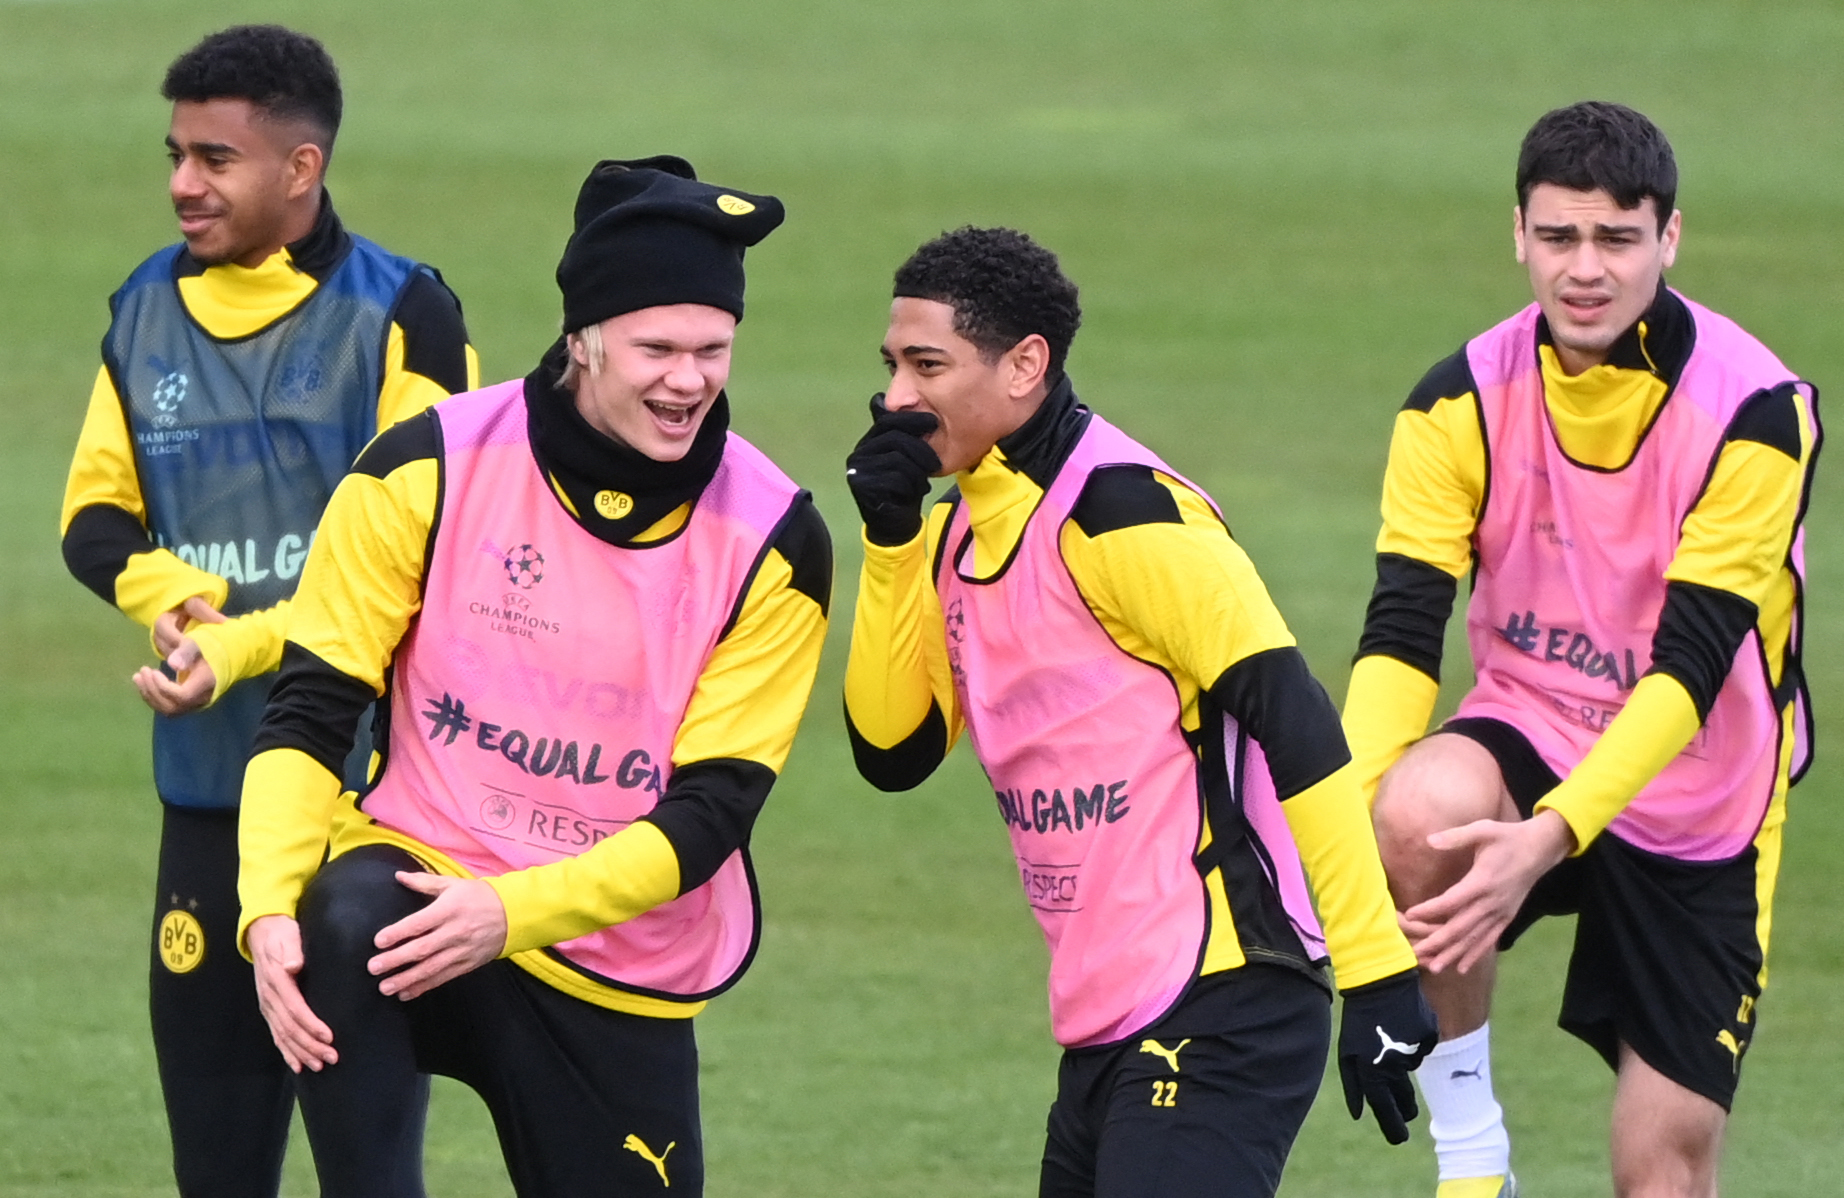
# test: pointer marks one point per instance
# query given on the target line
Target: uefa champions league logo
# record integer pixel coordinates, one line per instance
(525, 567)
(169, 393)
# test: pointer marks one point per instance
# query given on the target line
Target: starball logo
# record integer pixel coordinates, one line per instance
(525, 567)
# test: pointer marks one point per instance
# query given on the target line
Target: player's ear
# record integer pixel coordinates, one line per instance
(1517, 230)
(1668, 249)
(1027, 364)
(305, 164)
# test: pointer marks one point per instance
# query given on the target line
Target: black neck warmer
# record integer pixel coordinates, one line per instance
(583, 462)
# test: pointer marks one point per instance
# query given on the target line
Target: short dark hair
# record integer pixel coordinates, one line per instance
(1598, 146)
(1002, 286)
(289, 75)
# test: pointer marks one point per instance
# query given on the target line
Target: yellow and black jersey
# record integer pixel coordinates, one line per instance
(362, 590)
(1160, 571)
(1728, 575)
(104, 523)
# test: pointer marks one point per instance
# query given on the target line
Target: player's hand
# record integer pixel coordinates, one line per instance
(1457, 928)
(170, 626)
(275, 950)
(187, 683)
(463, 929)
(889, 471)
(1387, 1029)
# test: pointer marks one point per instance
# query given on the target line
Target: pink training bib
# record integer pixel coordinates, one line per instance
(1093, 775)
(536, 698)
(1571, 581)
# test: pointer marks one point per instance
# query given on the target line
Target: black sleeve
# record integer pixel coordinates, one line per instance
(906, 764)
(1408, 613)
(97, 545)
(708, 811)
(806, 545)
(313, 708)
(434, 335)
(1274, 696)
(1699, 631)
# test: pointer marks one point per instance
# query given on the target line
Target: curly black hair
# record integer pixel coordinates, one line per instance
(1598, 146)
(1002, 286)
(288, 75)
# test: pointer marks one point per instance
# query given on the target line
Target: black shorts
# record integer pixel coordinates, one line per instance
(586, 1100)
(1668, 953)
(1206, 1101)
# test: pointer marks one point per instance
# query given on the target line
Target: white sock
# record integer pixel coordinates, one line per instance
(1464, 1118)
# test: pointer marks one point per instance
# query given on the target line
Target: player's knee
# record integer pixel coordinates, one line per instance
(351, 899)
(1440, 783)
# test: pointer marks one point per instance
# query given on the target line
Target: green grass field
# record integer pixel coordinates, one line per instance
(1279, 215)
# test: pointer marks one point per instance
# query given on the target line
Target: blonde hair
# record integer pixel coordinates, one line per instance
(590, 336)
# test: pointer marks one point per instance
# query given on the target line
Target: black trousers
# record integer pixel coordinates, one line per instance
(586, 1101)
(228, 1093)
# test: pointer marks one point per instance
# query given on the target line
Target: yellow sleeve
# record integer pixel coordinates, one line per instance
(628, 874)
(755, 688)
(282, 831)
(898, 666)
(1434, 485)
(363, 581)
(1433, 492)
(244, 646)
(404, 392)
(1331, 827)
(103, 473)
(1737, 536)
(1387, 708)
(1177, 591)
(1653, 727)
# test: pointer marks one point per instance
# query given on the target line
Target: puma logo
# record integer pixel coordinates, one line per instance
(635, 1144)
(1473, 1073)
(1407, 1050)
(1160, 1050)
(1736, 1047)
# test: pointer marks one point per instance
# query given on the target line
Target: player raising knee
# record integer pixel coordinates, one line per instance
(1623, 472)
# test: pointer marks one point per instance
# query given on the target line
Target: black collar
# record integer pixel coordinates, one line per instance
(1669, 336)
(316, 254)
(1038, 448)
(583, 461)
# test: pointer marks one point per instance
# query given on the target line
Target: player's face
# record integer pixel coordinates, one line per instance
(934, 369)
(661, 370)
(235, 176)
(1594, 266)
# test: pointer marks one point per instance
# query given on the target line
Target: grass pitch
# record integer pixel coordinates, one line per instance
(1279, 215)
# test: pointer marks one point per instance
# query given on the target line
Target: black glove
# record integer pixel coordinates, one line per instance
(889, 471)
(1387, 1030)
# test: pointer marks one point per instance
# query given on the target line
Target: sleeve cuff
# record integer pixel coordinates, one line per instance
(626, 875)
(1654, 727)
(240, 648)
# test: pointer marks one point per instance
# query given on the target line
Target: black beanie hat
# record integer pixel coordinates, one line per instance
(649, 233)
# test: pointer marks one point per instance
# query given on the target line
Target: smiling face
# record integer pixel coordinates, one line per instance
(660, 370)
(1594, 266)
(934, 369)
(243, 185)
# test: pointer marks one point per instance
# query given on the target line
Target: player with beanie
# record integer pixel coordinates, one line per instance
(590, 618)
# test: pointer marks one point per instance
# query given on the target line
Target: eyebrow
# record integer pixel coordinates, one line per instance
(202, 147)
(1599, 229)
